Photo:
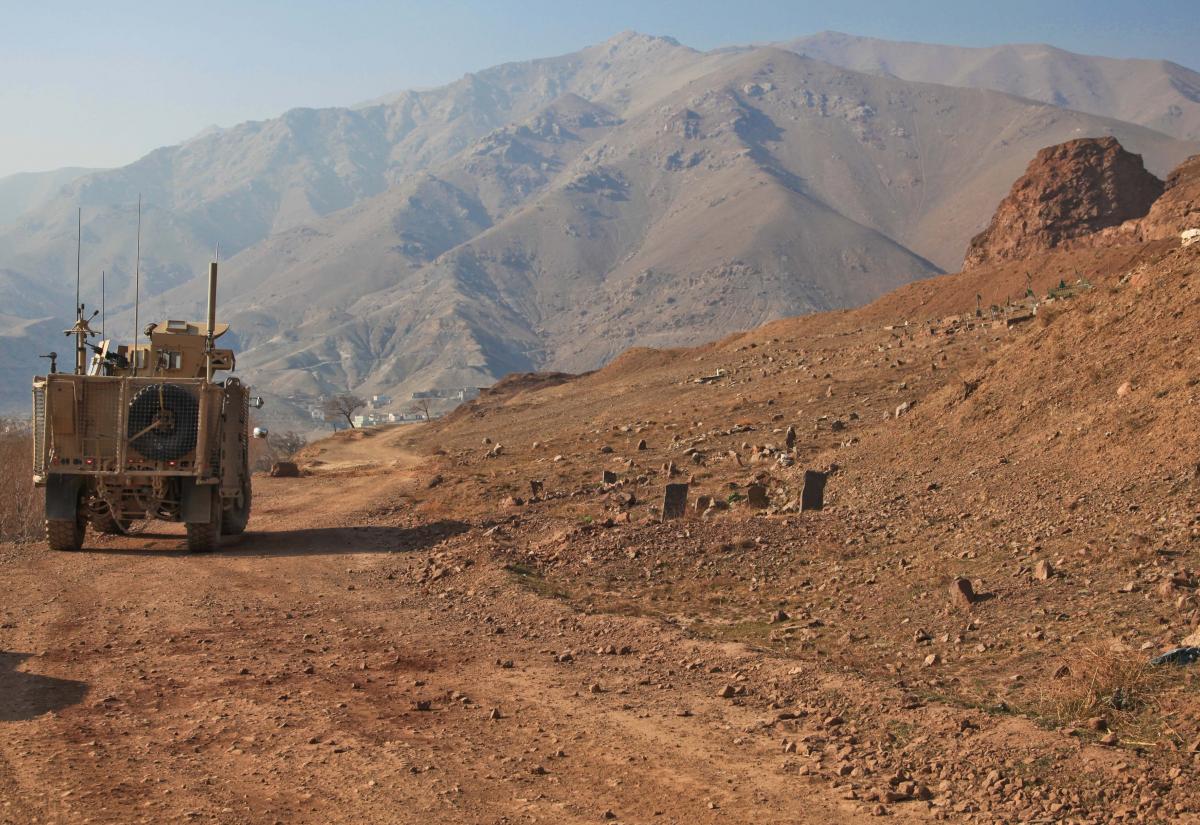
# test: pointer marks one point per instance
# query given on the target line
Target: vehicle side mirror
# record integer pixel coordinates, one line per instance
(260, 432)
(256, 402)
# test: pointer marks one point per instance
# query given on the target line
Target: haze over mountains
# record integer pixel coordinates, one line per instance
(24, 191)
(552, 213)
(1158, 94)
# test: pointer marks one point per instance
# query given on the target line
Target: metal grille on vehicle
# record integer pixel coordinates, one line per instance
(39, 430)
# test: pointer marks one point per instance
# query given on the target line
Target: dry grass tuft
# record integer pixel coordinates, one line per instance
(21, 505)
(1119, 685)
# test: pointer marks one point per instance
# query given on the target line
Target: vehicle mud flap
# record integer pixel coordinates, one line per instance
(195, 501)
(62, 496)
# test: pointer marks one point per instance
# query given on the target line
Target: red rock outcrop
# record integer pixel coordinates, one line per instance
(1179, 207)
(1069, 190)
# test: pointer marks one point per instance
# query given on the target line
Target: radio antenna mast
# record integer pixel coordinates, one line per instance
(80, 325)
(103, 310)
(137, 285)
(78, 252)
(80, 328)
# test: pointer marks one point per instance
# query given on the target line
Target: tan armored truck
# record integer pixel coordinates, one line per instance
(145, 432)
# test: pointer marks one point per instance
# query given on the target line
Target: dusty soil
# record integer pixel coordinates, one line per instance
(408, 634)
(337, 665)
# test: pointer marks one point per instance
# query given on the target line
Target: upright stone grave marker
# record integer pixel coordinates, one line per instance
(812, 497)
(675, 501)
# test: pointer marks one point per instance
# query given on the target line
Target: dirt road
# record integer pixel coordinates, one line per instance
(349, 660)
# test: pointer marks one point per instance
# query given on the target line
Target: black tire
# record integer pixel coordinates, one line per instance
(237, 514)
(66, 536)
(205, 537)
(177, 412)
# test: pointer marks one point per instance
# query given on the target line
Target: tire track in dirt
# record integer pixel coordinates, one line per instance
(285, 680)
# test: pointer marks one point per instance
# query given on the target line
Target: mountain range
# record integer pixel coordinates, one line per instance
(1158, 94)
(552, 213)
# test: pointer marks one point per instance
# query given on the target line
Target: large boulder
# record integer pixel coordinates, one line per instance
(285, 469)
(1069, 191)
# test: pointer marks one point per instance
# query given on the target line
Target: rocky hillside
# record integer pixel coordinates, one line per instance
(1069, 190)
(1008, 538)
(1179, 207)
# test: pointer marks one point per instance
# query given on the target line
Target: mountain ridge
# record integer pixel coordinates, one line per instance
(1158, 94)
(551, 213)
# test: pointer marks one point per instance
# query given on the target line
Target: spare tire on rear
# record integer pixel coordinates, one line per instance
(163, 422)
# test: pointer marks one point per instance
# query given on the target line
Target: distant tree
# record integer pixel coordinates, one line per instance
(275, 447)
(288, 444)
(342, 406)
(420, 405)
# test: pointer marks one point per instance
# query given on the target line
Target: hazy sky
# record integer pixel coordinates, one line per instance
(100, 84)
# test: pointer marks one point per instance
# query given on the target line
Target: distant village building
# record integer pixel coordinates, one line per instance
(456, 394)
(380, 401)
(374, 419)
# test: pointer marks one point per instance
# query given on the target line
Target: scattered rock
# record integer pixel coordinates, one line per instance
(285, 469)
(962, 594)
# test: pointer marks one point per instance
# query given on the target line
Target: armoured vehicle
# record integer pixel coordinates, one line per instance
(145, 431)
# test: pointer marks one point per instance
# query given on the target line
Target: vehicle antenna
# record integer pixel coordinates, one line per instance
(78, 253)
(137, 283)
(80, 335)
(80, 328)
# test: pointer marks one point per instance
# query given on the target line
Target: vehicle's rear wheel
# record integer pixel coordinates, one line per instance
(205, 537)
(65, 535)
(237, 514)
